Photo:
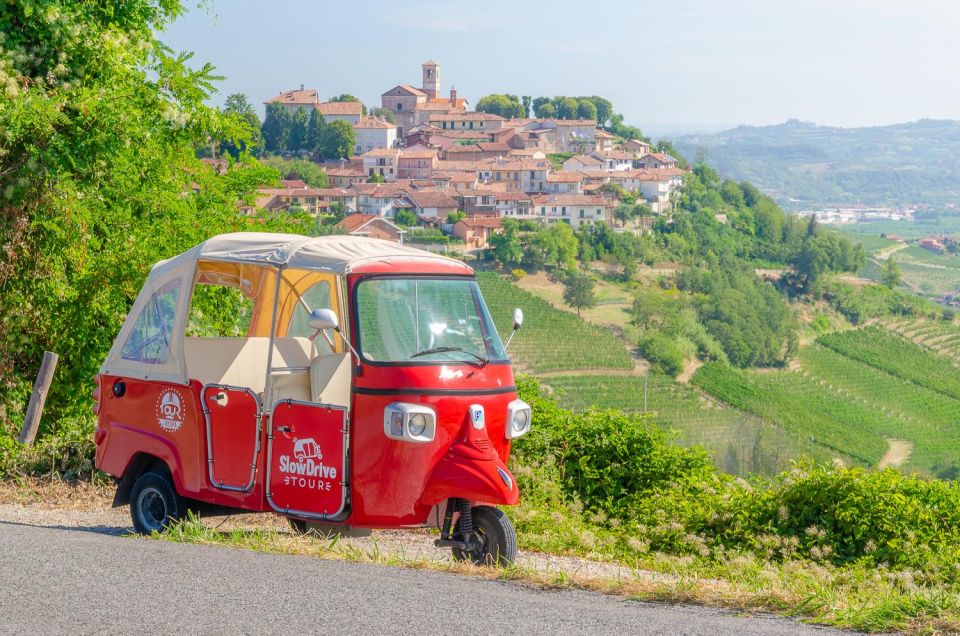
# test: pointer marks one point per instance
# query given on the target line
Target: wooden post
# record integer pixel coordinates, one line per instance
(40, 389)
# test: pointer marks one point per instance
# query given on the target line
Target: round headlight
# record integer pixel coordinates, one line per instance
(521, 420)
(417, 425)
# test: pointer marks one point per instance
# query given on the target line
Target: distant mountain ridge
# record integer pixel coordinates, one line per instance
(802, 164)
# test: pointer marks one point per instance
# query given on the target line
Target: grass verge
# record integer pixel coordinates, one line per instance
(862, 598)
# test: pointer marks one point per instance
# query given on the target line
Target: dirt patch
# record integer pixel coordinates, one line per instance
(688, 370)
(887, 252)
(898, 453)
(771, 275)
(850, 279)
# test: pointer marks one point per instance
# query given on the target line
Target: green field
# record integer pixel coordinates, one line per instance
(871, 242)
(939, 336)
(898, 356)
(917, 254)
(740, 442)
(804, 406)
(551, 339)
(927, 419)
(909, 229)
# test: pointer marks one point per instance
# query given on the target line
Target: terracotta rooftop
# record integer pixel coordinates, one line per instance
(434, 107)
(305, 97)
(380, 190)
(373, 122)
(645, 174)
(458, 166)
(516, 164)
(463, 149)
(663, 157)
(345, 172)
(460, 103)
(411, 89)
(481, 221)
(513, 196)
(435, 199)
(382, 152)
(340, 108)
(458, 134)
(568, 199)
(586, 160)
(564, 177)
(471, 116)
(494, 146)
(418, 153)
(353, 222)
(616, 155)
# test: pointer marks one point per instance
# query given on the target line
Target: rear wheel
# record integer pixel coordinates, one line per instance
(154, 502)
(494, 538)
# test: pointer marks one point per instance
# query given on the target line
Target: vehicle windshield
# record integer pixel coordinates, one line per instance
(433, 320)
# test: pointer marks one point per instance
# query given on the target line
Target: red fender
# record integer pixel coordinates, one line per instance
(126, 441)
(472, 470)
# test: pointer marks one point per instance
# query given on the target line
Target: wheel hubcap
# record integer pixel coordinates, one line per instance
(152, 509)
(481, 544)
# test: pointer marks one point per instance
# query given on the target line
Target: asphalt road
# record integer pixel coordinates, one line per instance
(77, 581)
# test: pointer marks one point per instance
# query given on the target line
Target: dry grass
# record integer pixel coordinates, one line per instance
(57, 494)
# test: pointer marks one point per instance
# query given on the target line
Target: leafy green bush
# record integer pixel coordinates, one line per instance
(663, 352)
(858, 304)
(621, 472)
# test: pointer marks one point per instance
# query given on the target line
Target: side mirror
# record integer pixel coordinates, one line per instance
(323, 319)
(517, 321)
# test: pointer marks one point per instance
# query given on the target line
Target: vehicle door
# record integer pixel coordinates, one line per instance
(306, 459)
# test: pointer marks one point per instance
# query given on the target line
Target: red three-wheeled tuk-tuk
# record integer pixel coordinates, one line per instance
(402, 418)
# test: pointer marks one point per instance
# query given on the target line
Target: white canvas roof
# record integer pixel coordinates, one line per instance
(164, 300)
(334, 254)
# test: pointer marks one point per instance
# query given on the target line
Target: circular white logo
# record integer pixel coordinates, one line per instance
(170, 410)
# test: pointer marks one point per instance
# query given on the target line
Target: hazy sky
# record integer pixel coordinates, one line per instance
(664, 62)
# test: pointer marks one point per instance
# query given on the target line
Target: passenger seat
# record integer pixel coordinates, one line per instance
(330, 379)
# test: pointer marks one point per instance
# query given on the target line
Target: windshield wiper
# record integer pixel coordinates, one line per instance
(483, 361)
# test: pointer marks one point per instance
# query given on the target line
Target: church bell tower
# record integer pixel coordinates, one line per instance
(431, 79)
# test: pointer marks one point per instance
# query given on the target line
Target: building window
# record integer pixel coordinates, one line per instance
(399, 106)
(581, 214)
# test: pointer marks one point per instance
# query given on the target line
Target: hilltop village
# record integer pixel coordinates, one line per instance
(427, 156)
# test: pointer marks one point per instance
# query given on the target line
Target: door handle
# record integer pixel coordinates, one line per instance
(220, 398)
(285, 429)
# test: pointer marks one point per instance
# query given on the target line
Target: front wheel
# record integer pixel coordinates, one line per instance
(494, 538)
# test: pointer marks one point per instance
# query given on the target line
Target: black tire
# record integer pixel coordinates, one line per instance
(154, 502)
(495, 536)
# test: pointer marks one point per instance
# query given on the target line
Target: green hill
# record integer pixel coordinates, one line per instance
(587, 365)
(800, 163)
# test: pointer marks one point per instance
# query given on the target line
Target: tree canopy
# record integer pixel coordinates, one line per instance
(99, 179)
(578, 291)
(508, 106)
